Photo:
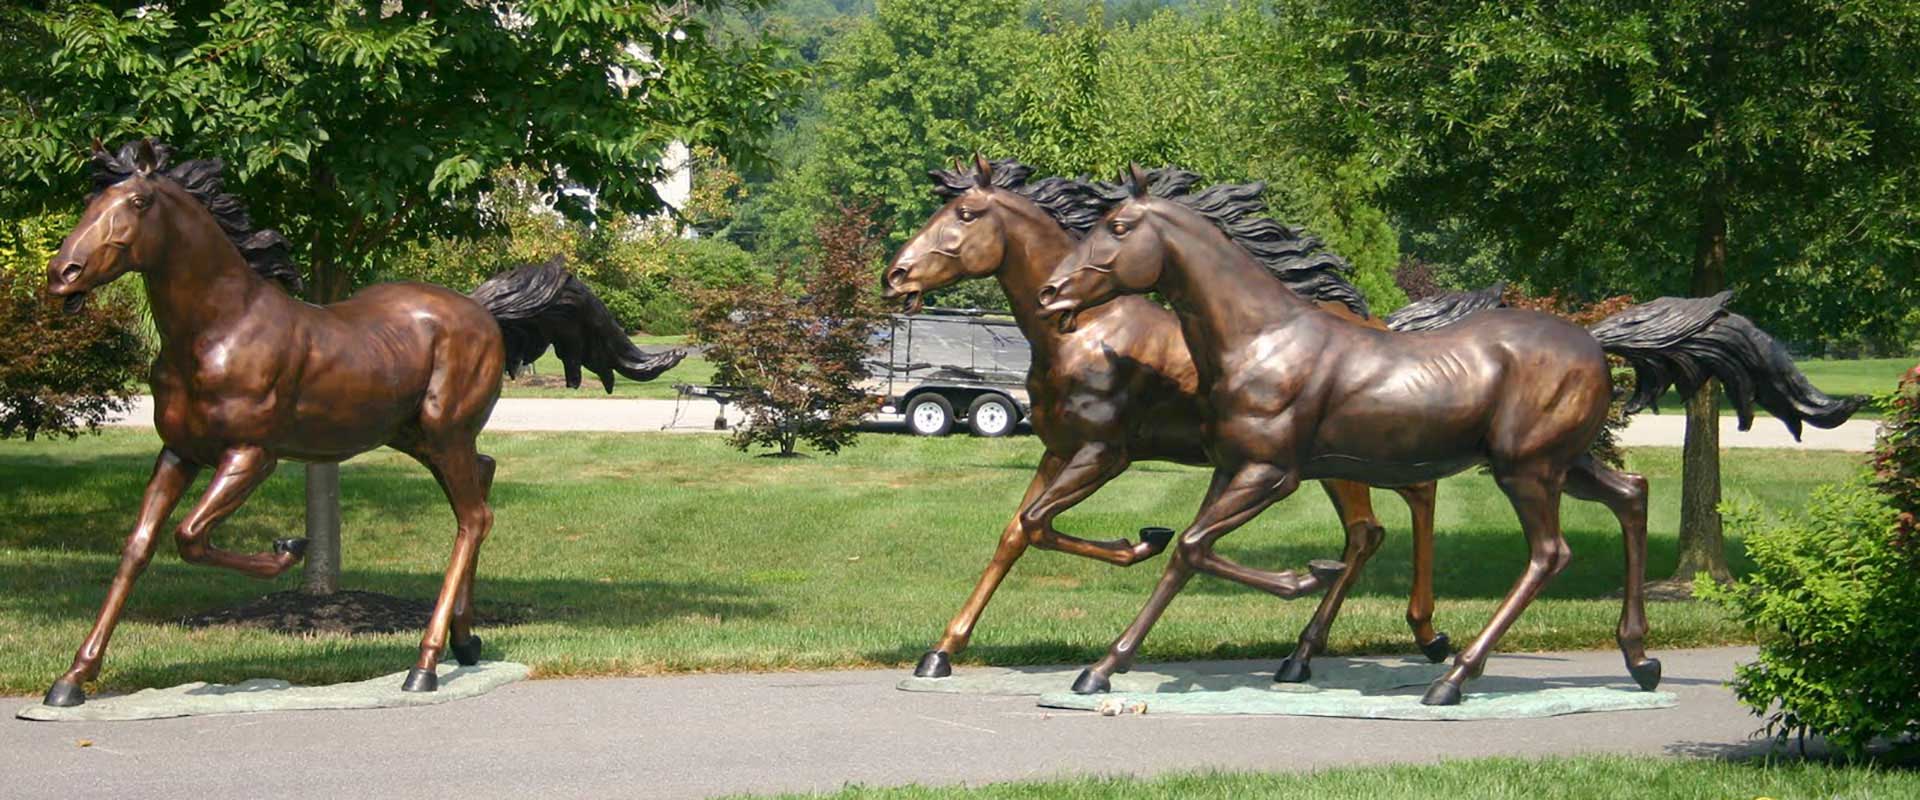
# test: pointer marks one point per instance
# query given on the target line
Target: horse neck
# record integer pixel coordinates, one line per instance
(1223, 296)
(200, 282)
(1034, 244)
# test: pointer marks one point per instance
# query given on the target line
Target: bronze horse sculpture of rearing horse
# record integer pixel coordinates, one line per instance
(1293, 393)
(1119, 388)
(247, 375)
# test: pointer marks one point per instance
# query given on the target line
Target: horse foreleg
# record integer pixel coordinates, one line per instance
(1420, 501)
(1626, 495)
(1354, 503)
(1536, 498)
(171, 477)
(938, 662)
(241, 470)
(460, 473)
(1250, 491)
(1233, 498)
(1091, 467)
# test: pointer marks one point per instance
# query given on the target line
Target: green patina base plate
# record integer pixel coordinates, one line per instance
(268, 694)
(1367, 688)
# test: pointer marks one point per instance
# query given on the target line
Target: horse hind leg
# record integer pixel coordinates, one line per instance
(1535, 494)
(1625, 494)
(465, 478)
(241, 470)
(1354, 503)
(465, 645)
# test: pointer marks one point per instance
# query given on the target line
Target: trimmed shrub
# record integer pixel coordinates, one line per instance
(62, 373)
(1835, 600)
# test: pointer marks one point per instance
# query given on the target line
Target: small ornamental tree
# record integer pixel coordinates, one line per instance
(60, 373)
(1835, 600)
(800, 356)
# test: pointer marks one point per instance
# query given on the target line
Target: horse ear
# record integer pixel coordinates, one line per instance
(1139, 179)
(98, 148)
(144, 157)
(982, 171)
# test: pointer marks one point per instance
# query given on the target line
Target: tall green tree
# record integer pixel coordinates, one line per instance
(1669, 147)
(355, 126)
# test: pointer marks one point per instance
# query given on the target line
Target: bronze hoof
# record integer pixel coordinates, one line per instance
(65, 695)
(1437, 650)
(1293, 670)
(1325, 569)
(1156, 538)
(935, 664)
(421, 680)
(298, 547)
(467, 652)
(1091, 682)
(1646, 673)
(1441, 693)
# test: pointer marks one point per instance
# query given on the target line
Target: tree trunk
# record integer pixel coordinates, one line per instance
(1701, 546)
(322, 573)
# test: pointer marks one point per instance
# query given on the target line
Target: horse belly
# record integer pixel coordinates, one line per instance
(1394, 438)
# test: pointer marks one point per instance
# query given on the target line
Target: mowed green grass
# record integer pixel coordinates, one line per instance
(649, 553)
(1582, 778)
(544, 378)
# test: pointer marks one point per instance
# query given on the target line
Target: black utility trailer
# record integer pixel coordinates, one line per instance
(944, 367)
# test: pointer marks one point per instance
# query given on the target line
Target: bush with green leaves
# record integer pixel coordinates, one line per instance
(1835, 600)
(62, 373)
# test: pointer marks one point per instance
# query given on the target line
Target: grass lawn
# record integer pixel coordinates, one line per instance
(1583, 778)
(647, 553)
(547, 379)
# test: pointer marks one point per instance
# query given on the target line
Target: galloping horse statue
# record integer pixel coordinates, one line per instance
(1293, 393)
(1121, 387)
(247, 375)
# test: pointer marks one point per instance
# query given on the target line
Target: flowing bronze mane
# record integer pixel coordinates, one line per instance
(265, 250)
(1311, 396)
(1119, 389)
(247, 376)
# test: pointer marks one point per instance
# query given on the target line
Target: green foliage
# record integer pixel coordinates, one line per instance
(1070, 94)
(641, 268)
(1601, 147)
(356, 127)
(801, 357)
(62, 373)
(1836, 598)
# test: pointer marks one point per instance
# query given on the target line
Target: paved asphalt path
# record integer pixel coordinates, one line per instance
(703, 735)
(696, 416)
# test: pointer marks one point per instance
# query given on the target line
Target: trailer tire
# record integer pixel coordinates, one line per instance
(929, 415)
(992, 416)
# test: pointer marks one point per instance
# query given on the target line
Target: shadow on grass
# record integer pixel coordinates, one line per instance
(72, 594)
(99, 497)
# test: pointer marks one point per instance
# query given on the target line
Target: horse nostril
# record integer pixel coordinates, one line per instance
(1048, 293)
(71, 273)
(896, 276)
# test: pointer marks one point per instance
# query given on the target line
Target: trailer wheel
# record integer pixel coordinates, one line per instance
(992, 415)
(930, 415)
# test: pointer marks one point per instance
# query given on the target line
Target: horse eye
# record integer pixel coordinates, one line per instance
(1118, 228)
(968, 215)
(141, 201)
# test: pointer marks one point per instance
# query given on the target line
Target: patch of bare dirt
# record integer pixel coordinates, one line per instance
(345, 612)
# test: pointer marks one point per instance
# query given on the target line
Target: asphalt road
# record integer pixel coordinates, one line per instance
(697, 416)
(703, 735)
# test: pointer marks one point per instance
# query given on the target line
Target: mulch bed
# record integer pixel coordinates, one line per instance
(344, 612)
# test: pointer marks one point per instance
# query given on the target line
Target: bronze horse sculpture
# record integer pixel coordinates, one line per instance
(1294, 393)
(247, 375)
(1121, 387)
